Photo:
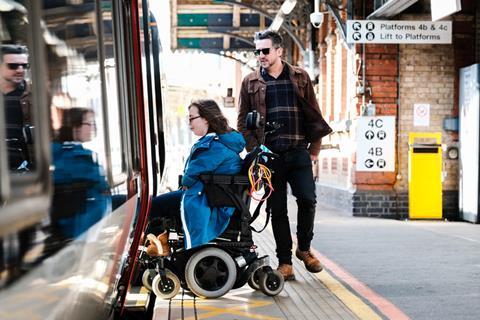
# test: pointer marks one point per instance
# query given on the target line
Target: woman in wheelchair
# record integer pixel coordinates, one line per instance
(216, 152)
(207, 265)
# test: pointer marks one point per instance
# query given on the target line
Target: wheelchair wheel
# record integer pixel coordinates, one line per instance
(147, 278)
(271, 282)
(253, 280)
(167, 289)
(210, 273)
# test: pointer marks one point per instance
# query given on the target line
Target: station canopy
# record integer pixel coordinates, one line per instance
(227, 27)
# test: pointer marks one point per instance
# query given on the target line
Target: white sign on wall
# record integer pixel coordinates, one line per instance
(443, 8)
(421, 115)
(398, 31)
(376, 143)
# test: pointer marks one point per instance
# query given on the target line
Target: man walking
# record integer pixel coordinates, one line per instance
(14, 63)
(274, 91)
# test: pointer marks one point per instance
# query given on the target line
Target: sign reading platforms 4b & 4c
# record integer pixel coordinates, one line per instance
(376, 144)
(400, 31)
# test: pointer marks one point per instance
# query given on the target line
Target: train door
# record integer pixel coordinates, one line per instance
(73, 155)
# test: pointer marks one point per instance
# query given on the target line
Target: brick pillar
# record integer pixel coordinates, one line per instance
(381, 84)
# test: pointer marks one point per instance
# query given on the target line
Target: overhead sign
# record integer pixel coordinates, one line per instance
(376, 144)
(443, 8)
(400, 31)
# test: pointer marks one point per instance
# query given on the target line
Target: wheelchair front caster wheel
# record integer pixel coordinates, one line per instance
(147, 278)
(253, 280)
(166, 289)
(271, 282)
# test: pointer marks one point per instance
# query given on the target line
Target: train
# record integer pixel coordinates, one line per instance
(82, 151)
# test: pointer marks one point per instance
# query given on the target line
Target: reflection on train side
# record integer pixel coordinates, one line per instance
(69, 264)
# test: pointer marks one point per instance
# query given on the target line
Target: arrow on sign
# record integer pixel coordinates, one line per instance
(369, 163)
(369, 134)
(356, 26)
(356, 36)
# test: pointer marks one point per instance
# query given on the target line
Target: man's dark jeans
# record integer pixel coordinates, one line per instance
(295, 168)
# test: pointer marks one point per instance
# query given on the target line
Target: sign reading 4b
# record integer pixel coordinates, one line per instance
(376, 144)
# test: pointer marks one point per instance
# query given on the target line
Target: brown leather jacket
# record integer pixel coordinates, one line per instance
(252, 97)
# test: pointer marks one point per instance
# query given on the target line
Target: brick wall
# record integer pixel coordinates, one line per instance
(399, 76)
(426, 76)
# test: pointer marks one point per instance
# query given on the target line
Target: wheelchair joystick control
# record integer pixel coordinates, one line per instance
(240, 261)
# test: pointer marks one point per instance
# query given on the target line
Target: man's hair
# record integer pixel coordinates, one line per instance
(210, 111)
(13, 49)
(275, 37)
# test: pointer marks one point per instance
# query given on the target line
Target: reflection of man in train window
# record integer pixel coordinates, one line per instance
(14, 63)
(81, 196)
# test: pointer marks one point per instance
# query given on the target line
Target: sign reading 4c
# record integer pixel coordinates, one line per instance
(376, 144)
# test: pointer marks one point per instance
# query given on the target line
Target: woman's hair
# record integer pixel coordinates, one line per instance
(210, 111)
(71, 118)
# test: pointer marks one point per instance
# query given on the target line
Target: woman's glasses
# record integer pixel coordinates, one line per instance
(90, 124)
(15, 66)
(192, 118)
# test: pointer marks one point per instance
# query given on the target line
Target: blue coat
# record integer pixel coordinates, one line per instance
(82, 194)
(212, 153)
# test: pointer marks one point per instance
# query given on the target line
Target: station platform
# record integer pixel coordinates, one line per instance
(309, 296)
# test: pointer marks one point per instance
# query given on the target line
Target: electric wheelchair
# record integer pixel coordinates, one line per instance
(227, 262)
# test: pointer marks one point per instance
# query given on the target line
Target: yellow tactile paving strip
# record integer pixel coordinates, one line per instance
(242, 303)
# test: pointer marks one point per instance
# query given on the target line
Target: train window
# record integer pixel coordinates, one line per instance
(123, 47)
(82, 192)
(114, 124)
(15, 83)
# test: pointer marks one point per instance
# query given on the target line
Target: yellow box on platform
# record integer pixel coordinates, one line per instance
(425, 175)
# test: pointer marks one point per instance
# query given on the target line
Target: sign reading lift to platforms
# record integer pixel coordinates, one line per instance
(376, 143)
(400, 31)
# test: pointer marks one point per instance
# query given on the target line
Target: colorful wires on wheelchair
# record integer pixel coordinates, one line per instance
(260, 177)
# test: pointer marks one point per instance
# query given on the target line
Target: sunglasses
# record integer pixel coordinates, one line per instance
(265, 51)
(14, 66)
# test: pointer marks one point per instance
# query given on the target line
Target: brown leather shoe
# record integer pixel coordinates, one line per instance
(311, 262)
(164, 242)
(158, 245)
(287, 271)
